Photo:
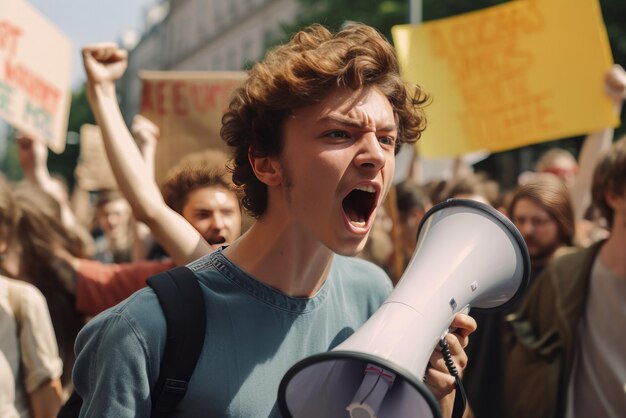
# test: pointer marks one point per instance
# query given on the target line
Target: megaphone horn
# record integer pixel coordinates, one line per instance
(467, 255)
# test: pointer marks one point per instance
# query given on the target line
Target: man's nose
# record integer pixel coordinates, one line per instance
(371, 153)
(218, 221)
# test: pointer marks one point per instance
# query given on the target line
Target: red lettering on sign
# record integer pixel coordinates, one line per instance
(179, 96)
(9, 35)
(39, 90)
(160, 97)
(147, 99)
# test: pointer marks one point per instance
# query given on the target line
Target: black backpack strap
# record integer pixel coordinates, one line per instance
(182, 302)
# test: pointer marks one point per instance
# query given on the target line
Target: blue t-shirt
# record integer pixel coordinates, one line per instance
(254, 335)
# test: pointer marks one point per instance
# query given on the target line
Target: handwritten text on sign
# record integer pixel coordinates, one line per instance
(509, 75)
(34, 81)
(188, 108)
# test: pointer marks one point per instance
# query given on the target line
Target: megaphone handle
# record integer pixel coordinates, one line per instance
(460, 399)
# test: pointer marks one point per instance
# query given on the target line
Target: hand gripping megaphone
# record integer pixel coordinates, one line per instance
(467, 255)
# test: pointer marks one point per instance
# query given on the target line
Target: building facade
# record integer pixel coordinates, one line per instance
(195, 35)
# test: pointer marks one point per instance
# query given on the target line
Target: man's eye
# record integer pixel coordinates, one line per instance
(387, 140)
(337, 134)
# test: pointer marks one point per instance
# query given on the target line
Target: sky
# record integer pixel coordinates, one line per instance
(88, 21)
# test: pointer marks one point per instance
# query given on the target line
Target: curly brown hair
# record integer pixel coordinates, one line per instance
(195, 171)
(303, 72)
(609, 176)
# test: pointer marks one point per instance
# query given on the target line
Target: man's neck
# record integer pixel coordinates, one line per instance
(282, 256)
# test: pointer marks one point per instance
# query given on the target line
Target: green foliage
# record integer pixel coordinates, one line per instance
(80, 112)
(379, 14)
(614, 13)
(10, 166)
(438, 9)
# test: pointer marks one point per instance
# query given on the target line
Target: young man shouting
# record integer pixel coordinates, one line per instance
(314, 132)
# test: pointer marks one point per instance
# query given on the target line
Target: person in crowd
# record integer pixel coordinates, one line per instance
(36, 232)
(314, 131)
(205, 212)
(547, 210)
(114, 219)
(29, 359)
(542, 212)
(33, 157)
(474, 187)
(413, 203)
(565, 343)
(198, 186)
(200, 189)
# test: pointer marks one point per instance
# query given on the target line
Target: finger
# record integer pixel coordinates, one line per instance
(464, 324)
(91, 48)
(110, 54)
(89, 62)
(437, 362)
(456, 345)
(439, 383)
(105, 52)
(457, 337)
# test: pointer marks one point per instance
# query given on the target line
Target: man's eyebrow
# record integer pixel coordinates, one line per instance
(354, 123)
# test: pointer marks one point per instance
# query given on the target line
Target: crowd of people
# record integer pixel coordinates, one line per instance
(313, 134)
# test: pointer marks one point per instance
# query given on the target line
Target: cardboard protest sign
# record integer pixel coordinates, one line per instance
(188, 108)
(93, 171)
(35, 71)
(519, 73)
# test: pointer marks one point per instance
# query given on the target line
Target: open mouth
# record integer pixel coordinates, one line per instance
(216, 240)
(359, 204)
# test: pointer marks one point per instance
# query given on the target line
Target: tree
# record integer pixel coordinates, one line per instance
(379, 14)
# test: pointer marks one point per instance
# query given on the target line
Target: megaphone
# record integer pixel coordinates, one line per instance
(467, 255)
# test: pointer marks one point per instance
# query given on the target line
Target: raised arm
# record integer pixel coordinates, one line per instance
(33, 158)
(596, 144)
(104, 64)
(146, 134)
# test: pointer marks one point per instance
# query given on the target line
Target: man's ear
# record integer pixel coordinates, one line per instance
(610, 197)
(267, 169)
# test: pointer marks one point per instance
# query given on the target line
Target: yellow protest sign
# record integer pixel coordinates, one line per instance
(516, 74)
(188, 109)
(35, 71)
